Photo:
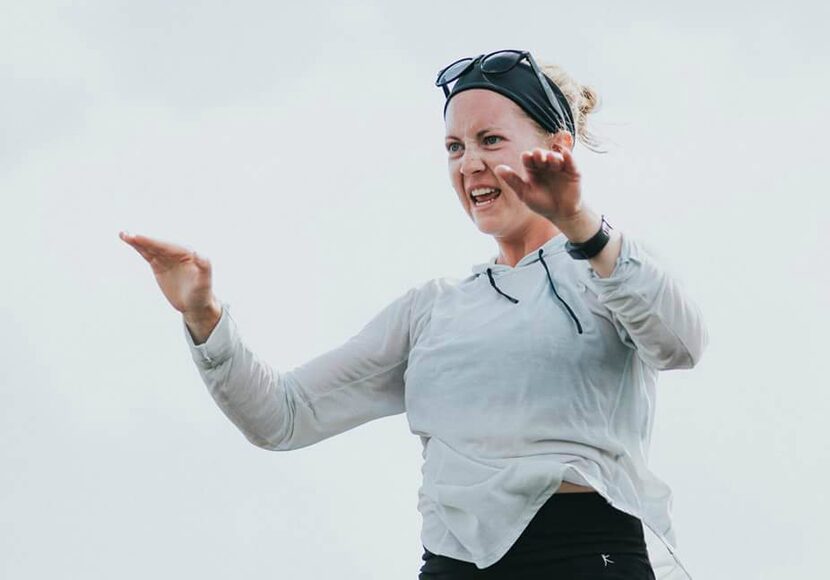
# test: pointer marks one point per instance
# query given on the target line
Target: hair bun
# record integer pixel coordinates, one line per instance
(583, 100)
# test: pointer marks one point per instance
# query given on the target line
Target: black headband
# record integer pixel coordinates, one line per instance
(521, 85)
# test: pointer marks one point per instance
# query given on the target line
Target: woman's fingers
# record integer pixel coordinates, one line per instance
(568, 163)
(144, 253)
(159, 252)
(540, 159)
(156, 247)
(513, 179)
(130, 239)
(160, 246)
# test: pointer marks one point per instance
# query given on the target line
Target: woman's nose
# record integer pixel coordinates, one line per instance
(471, 163)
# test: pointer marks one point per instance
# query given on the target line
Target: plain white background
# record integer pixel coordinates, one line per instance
(300, 147)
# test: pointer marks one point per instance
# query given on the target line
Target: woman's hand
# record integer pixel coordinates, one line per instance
(183, 275)
(552, 188)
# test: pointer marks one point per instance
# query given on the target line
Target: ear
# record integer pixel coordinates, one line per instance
(560, 139)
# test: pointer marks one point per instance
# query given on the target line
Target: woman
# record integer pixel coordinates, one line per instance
(530, 382)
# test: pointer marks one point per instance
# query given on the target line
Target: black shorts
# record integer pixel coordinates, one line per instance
(573, 536)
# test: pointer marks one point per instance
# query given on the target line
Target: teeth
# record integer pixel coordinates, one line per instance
(482, 190)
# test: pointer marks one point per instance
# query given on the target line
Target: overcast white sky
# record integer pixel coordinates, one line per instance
(299, 147)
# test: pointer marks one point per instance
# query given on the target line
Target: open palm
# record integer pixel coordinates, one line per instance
(552, 187)
(183, 275)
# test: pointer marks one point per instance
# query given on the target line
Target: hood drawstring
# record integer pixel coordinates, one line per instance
(515, 301)
(493, 284)
(571, 312)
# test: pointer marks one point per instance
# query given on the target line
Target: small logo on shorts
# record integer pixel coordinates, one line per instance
(606, 559)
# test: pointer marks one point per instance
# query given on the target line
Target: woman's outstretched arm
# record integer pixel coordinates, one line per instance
(345, 387)
(357, 382)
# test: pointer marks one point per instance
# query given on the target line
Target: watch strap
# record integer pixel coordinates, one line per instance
(592, 246)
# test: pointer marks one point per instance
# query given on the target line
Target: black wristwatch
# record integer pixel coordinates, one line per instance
(590, 247)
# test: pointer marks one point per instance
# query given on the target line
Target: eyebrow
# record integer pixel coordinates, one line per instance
(478, 135)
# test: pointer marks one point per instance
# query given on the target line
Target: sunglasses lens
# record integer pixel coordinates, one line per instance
(500, 62)
(453, 71)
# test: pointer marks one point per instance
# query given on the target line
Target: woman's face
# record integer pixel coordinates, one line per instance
(484, 130)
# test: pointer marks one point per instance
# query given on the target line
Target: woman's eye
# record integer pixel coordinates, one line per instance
(487, 142)
(451, 147)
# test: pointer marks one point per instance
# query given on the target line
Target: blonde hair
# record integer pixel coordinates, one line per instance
(582, 99)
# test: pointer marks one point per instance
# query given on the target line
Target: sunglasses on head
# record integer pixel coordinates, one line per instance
(499, 62)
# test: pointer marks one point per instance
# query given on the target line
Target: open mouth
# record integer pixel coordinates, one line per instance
(485, 196)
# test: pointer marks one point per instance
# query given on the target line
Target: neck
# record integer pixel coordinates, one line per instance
(517, 245)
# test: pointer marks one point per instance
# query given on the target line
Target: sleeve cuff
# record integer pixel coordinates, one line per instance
(625, 266)
(219, 344)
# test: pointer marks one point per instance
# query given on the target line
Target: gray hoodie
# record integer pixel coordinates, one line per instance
(514, 378)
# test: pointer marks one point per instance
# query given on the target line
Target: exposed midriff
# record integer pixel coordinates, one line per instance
(568, 487)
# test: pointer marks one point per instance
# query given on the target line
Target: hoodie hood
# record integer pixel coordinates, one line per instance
(553, 246)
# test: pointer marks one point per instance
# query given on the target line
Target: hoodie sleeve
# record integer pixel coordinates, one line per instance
(357, 382)
(650, 309)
